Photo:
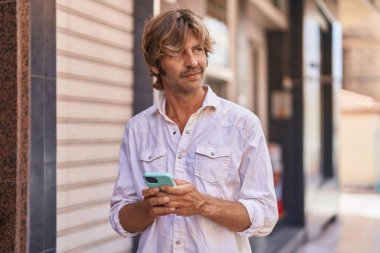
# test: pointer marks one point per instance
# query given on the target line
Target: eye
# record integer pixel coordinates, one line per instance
(198, 50)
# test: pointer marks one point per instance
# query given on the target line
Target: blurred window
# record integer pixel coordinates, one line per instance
(217, 9)
(217, 85)
(282, 5)
(216, 23)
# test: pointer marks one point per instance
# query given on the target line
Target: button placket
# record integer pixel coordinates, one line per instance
(178, 231)
(174, 134)
(183, 140)
(190, 123)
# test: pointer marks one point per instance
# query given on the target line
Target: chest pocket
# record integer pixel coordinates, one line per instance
(153, 159)
(212, 162)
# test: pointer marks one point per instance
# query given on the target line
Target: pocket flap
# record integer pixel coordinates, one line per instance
(213, 151)
(148, 155)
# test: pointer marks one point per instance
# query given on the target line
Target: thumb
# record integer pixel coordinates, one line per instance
(180, 182)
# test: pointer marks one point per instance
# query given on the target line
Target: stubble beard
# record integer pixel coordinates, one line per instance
(186, 87)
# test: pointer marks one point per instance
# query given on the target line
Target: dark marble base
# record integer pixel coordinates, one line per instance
(7, 214)
(8, 125)
(14, 124)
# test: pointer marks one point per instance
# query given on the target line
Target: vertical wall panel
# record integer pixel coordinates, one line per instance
(94, 101)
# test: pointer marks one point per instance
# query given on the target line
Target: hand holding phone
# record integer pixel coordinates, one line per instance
(157, 179)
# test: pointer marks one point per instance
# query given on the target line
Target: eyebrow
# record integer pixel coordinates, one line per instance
(197, 46)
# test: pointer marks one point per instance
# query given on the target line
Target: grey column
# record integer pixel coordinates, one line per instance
(142, 84)
(42, 171)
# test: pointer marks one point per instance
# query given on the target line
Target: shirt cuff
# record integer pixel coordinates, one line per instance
(115, 222)
(261, 224)
(255, 216)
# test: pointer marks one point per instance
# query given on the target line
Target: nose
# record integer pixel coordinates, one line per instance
(190, 59)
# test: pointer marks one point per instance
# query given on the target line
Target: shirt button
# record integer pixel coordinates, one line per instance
(178, 242)
(212, 153)
(174, 132)
(179, 156)
(150, 157)
(187, 131)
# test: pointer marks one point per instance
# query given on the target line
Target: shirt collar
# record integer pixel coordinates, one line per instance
(211, 100)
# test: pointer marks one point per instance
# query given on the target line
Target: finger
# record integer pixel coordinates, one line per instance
(160, 211)
(177, 190)
(159, 201)
(180, 182)
(148, 192)
(161, 194)
(174, 204)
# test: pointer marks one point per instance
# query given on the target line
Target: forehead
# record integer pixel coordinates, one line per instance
(191, 40)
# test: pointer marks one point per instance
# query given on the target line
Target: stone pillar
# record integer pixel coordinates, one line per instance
(27, 126)
(14, 127)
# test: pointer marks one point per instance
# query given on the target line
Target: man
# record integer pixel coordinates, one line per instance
(214, 148)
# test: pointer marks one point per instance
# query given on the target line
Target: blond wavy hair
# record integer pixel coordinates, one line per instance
(166, 34)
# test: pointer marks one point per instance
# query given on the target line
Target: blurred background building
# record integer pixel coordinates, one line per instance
(72, 74)
(360, 99)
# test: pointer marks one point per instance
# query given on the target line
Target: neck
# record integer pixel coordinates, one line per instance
(180, 107)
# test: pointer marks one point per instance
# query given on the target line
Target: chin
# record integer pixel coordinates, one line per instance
(191, 89)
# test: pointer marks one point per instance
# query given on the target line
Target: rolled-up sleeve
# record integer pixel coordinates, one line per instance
(124, 192)
(257, 192)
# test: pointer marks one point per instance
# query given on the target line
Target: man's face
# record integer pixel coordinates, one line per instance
(184, 73)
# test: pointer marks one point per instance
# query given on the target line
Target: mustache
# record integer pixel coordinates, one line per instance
(191, 71)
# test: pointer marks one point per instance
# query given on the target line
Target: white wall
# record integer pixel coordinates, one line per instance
(312, 96)
(359, 157)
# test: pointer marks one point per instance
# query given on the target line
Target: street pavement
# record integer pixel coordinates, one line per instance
(357, 229)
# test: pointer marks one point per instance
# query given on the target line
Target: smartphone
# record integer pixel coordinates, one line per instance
(157, 179)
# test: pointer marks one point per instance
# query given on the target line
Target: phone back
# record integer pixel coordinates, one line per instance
(157, 179)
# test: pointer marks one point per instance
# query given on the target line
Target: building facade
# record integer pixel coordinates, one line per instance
(86, 77)
(361, 67)
(361, 46)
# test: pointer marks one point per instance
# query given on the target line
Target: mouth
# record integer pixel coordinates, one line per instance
(192, 74)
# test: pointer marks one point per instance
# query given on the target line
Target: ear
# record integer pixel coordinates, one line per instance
(154, 70)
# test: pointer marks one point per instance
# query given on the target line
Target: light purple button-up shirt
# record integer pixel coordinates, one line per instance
(222, 152)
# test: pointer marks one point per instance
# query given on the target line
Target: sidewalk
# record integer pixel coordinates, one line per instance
(357, 229)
